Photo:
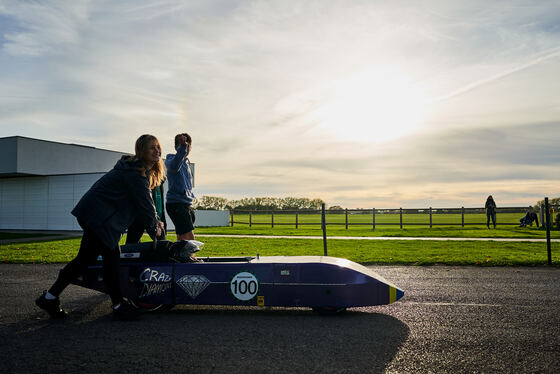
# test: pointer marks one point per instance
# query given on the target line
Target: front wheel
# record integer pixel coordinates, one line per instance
(329, 311)
(160, 308)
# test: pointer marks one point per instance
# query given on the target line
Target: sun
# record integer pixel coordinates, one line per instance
(375, 105)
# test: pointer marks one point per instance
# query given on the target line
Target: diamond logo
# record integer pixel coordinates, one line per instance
(193, 284)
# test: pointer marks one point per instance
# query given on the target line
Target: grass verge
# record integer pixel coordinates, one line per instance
(363, 231)
(363, 251)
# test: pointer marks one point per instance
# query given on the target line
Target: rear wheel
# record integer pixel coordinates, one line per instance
(329, 311)
(152, 307)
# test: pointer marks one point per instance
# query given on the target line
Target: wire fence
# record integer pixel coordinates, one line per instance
(379, 217)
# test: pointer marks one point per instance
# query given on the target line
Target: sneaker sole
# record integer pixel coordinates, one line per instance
(55, 315)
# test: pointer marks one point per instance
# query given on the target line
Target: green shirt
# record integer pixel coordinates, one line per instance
(157, 202)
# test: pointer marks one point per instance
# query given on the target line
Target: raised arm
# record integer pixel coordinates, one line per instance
(173, 164)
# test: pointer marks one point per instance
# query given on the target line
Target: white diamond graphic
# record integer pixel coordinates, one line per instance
(193, 284)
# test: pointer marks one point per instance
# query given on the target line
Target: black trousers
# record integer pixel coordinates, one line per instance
(90, 248)
(491, 215)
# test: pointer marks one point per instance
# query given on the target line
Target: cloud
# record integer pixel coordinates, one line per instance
(44, 27)
(520, 152)
(534, 60)
(244, 78)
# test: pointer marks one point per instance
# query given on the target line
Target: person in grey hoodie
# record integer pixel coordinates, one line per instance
(105, 212)
(179, 192)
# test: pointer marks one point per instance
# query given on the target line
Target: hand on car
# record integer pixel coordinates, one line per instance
(159, 229)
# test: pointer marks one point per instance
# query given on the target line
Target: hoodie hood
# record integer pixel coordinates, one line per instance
(125, 163)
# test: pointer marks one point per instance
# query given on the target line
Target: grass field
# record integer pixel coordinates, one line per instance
(392, 219)
(417, 252)
(472, 231)
(420, 252)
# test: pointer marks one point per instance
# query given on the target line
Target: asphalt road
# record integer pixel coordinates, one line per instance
(451, 320)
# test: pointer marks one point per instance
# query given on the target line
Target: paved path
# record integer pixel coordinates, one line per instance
(451, 320)
(52, 235)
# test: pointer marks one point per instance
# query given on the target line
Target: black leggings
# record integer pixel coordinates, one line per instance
(90, 248)
(493, 216)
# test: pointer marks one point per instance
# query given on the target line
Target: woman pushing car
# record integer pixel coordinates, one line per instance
(105, 212)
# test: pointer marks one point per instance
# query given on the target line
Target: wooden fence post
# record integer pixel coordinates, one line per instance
(430, 217)
(400, 211)
(373, 215)
(324, 228)
(250, 218)
(548, 225)
(296, 219)
(231, 217)
(462, 216)
(272, 218)
(346, 212)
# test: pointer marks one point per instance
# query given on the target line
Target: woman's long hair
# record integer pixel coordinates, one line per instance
(156, 175)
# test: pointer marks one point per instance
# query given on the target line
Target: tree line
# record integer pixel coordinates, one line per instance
(257, 203)
(551, 201)
(283, 203)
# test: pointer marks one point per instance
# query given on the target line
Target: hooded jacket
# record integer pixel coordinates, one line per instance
(115, 200)
(179, 177)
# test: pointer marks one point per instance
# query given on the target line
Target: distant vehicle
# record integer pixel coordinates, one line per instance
(159, 276)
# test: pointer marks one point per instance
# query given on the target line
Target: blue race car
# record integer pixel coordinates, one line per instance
(157, 276)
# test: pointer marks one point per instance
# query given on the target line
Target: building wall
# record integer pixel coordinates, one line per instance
(8, 155)
(26, 156)
(45, 203)
(41, 182)
(42, 203)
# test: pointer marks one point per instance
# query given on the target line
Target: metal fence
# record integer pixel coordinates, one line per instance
(379, 217)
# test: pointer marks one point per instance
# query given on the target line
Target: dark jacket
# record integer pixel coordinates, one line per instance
(490, 206)
(111, 204)
(136, 229)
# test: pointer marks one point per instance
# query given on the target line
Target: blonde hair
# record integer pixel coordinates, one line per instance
(156, 175)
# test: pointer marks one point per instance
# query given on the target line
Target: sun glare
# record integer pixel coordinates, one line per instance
(376, 105)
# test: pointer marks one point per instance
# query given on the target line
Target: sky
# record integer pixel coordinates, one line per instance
(361, 103)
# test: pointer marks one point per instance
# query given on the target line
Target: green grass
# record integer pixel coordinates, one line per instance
(338, 218)
(391, 231)
(390, 251)
(412, 252)
(40, 251)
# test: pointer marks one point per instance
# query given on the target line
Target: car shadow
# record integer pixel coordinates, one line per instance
(203, 339)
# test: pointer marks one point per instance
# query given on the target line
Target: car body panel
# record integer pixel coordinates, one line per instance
(286, 281)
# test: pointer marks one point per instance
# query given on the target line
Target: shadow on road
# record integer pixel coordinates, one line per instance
(202, 339)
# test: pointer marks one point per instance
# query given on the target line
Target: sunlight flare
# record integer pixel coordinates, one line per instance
(375, 105)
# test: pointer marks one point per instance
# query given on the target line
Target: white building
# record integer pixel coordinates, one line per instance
(41, 182)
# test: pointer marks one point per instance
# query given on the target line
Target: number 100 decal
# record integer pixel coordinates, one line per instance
(244, 286)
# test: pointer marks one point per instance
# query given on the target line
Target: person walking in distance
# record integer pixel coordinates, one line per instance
(105, 212)
(490, 207)
(180, 185)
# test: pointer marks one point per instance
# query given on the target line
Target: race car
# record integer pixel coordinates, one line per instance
(159, 275)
